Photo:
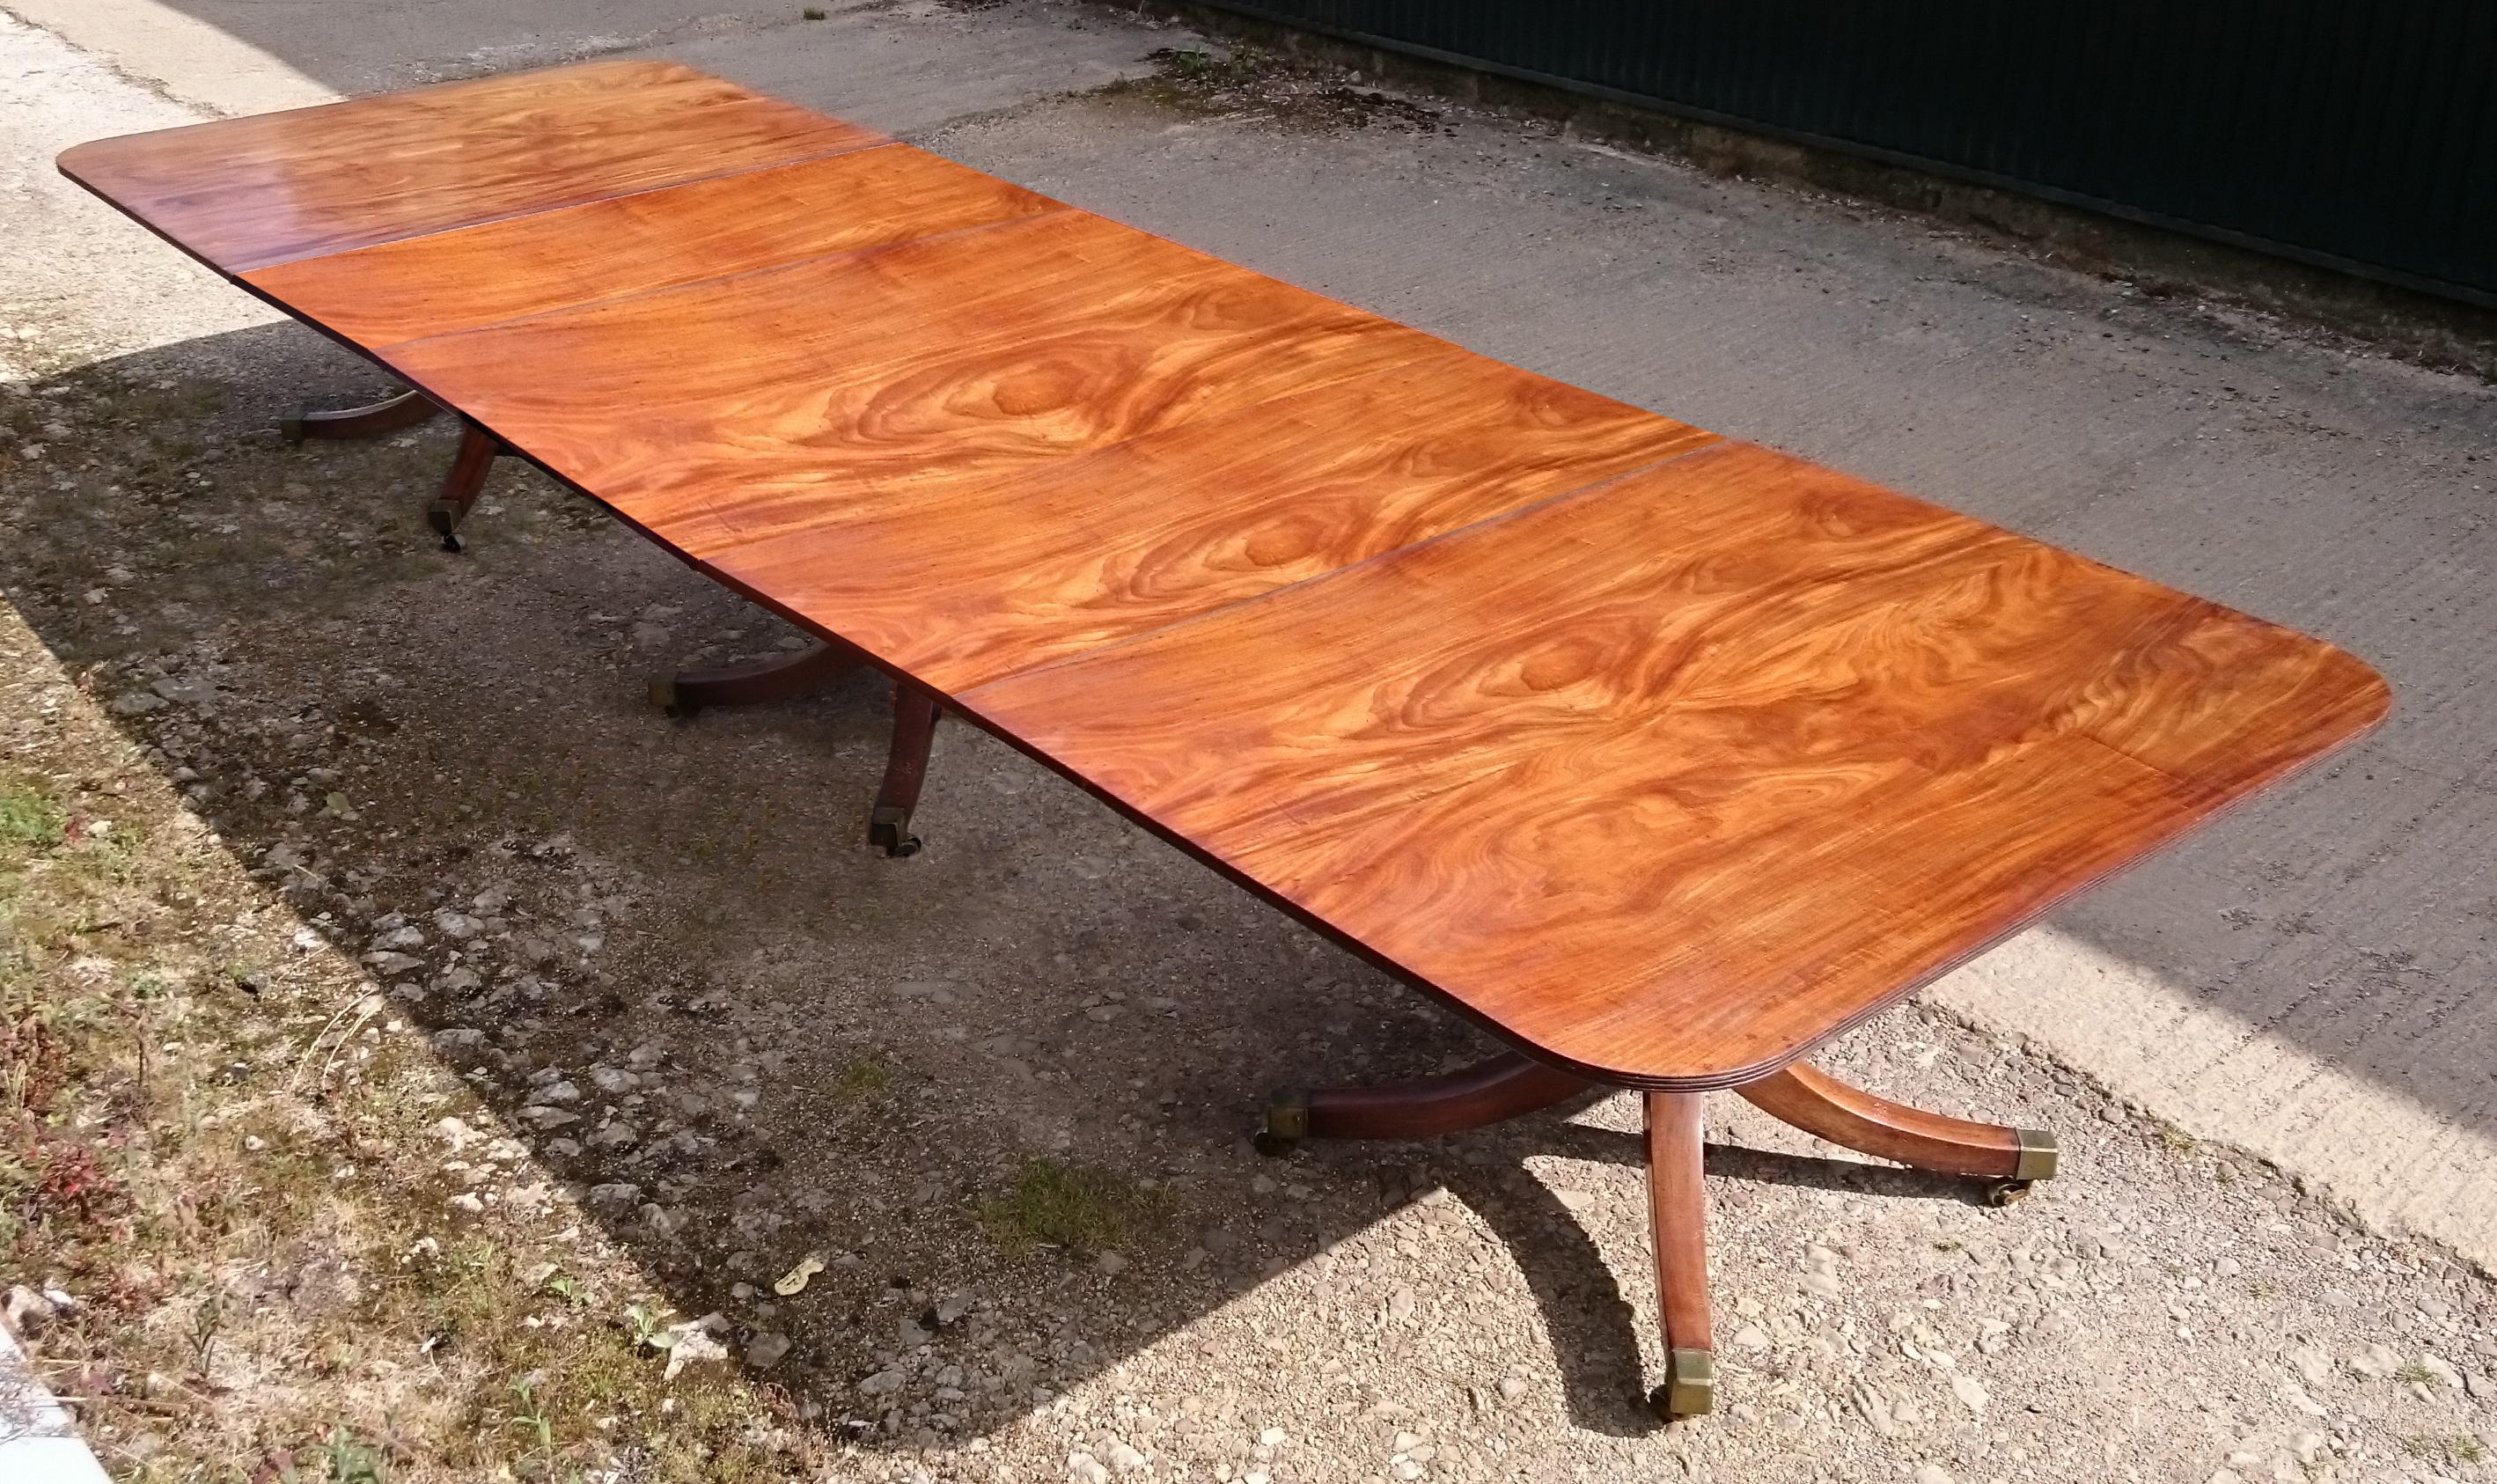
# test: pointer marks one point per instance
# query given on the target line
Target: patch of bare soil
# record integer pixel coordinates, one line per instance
(1246, 82)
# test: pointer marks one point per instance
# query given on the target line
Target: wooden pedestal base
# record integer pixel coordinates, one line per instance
(788, 677)
(1509, 1085)
(460, 484)
(388, 415)
(758, 683)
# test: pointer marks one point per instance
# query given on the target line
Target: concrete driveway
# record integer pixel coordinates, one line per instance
(2308, 981)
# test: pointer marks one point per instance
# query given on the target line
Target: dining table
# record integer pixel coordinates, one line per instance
(1662, 757)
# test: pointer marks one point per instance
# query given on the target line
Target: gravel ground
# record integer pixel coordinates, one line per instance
(436, 915)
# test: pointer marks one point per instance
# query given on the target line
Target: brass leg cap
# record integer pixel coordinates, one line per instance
(444, 518)
(1287, 1122)
(663, 695)
(890, 829)
(1689, 1388)
(2039, 1156)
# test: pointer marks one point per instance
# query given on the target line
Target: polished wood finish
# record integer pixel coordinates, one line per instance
(1489, 1092)
(896, 380)
(1099, 547)
(1675, 776)
(1869, 1124)
(905, 769)
(391, 415)
(623, 246)
(1677, 1204)
(757, 682)
(1664, 758)
(245, 193)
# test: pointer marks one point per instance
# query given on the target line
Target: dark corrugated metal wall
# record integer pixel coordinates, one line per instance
(2356, 132)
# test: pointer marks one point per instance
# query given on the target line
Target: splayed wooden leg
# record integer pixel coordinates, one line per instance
(905, 769)
(1820, 1104)
(462, 483)
(781, 678)
(1678, 1229)
(403, 411)
(1504, 1087)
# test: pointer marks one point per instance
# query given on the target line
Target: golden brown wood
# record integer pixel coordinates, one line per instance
(1664, 757)
(244, 193)
(895, 380)
(1822, 1105)
(1677, 1203)
(521, 265)
(1675, 776)
(1667, 778)
(1090, 549)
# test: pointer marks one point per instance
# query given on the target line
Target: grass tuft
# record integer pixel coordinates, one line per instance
(1052, 1203)
(30, 821)
(865, 1078)
(2453, 1449)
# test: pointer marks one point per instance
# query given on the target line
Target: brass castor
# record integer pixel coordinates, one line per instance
(1287, 1122)
(664, 696)
(444, 518)
(890, 829)
(1689, 1388)
(2040, 1159)
(291, 429)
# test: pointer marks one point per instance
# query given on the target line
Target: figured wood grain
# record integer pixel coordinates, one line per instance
(1870, 1124)
(893, 379)
(245, 193)
(1087, 549)
(522, 265)
(1665, 758)
(1671, 778)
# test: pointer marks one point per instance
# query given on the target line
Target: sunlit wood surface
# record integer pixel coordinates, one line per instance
(244, 193)
(1676, 773)
(1663, 756)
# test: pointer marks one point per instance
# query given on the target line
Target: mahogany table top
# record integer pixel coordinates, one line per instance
(1663, 756)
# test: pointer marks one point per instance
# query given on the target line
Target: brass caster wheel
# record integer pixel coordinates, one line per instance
(2008, 1193)
(663, 695)
(1287, 1122)
(2040, 1157)
(1689, 1388)
(891, 830)
(291, 429)
(444, 519)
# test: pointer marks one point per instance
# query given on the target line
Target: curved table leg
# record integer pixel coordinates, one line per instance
(461, 484)
(403, 411)
(1504, 1087)
(905, 769)
(781, 678)
(1820, 1104)
(1677, 1204)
